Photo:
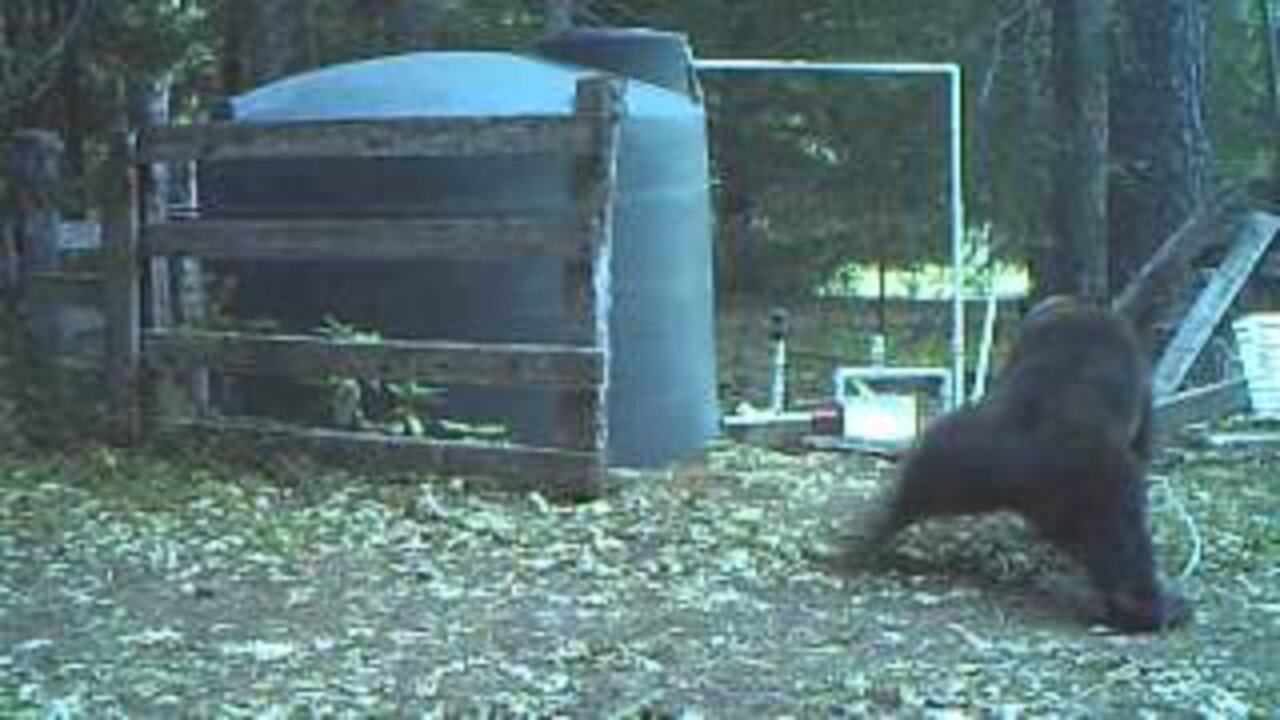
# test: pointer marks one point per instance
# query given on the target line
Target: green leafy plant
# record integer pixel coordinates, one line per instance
(397, 408)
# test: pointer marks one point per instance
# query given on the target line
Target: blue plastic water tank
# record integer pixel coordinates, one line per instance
(662, 402)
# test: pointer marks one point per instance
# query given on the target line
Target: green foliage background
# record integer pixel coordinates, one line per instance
(812, 173)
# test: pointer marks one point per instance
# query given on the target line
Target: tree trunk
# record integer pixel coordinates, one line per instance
(258, 42)
(1271, 26)
(414, 25)
(272, 53)
(1159, 143)
(234, 29)
(1077, 261)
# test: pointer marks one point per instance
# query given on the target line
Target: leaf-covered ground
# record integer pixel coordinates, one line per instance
(144, 586)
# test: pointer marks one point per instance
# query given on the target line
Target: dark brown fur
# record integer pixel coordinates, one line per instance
(1063, 438)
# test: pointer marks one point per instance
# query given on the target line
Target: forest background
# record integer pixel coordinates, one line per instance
(1090, 123)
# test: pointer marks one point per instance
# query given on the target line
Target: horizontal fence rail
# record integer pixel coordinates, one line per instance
(368, 239)
(449, 363)
(383, 138)
(550, 470)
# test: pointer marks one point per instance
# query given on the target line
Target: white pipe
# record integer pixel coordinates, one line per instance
(955, 88)
(985, 349)
(888, 68)
(778, 377)
(957, 238)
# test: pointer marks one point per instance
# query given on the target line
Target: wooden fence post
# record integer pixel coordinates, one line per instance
(122, 287)
(175, 288)
(599, 98)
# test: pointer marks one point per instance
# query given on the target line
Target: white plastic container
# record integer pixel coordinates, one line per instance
(888, 419)
(1258, 336)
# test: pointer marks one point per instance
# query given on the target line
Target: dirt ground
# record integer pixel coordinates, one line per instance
(144, 586)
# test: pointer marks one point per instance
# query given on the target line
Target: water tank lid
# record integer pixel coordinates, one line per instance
(447, 83)
(658, 57)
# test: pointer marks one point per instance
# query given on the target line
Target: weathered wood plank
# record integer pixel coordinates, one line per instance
(1168, 264)
(446, 363)
(183, 393)
(579, 421)
(557, 473)
(1256, 233)
(394, 137)
(584, 421)
(1200, 404)
(367, 239)
(122, 306)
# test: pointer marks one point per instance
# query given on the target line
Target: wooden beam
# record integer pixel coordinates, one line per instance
(1201, 404)
(395, 137)
(1257, 230)
(367, 239)
(445, 363)
(557, 473)
(1168, 264)
(584, 422)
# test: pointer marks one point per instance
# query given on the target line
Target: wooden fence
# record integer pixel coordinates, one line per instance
(158, 371)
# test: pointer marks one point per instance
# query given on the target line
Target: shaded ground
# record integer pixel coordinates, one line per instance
(141, 586)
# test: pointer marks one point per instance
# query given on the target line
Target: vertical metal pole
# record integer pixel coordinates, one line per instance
(983, 367)
(957, 238)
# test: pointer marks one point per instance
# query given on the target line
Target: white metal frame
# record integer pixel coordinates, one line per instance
(950, 72)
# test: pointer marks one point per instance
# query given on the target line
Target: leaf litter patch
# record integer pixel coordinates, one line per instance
(132, 584)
